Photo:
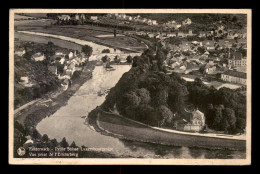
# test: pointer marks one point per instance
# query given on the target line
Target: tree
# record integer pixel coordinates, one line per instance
(229, 117)
(116, 59)
(64, 143)
(225, 126)
(52, 15)
(202, 69)
(240, 125)
(73, 144)
(45, 138)
(54, 143)
(218, 120)
(132, 99)
(114, 32)
(50, 44)
(49, 51)
(87, 50)
(166, 114)
(175, 41)
(198, 82)
(201, 50)
(144, 95)
(66, 57)
(160, 56)
(36, 134)
(129, 59)
(106, 51)
(104, 58)
(234, 19)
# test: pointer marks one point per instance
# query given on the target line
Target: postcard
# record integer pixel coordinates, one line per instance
(130, 86)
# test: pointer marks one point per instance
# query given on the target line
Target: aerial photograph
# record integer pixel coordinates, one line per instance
(130, 85)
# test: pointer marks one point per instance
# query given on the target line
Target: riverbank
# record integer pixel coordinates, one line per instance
(34, 113)
(122, 128)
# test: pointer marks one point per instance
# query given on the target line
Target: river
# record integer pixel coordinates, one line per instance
(68, 122)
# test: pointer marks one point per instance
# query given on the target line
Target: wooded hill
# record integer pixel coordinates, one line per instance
(147, 94)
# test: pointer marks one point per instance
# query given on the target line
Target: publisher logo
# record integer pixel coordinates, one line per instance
(21, 151)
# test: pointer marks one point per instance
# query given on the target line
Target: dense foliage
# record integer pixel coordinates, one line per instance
(147, 94)
(87, 50)
(105, 51)
(42, 79)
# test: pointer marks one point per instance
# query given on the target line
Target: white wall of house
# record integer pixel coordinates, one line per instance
(233, 79)
(40, 58)
(19, 53)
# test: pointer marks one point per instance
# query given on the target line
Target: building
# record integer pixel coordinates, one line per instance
(61, 53)
(25, 81)
(237, 60)
(234, 77)
(181, 34)
(186, 22)
(196, 123)
(71, 55)
(195, 43)
(20, 52)
(129, 18)
(190, 33)
(209, 68)
(38, 57)
(121, 16)
(65, 84)
(151, 35)
(94, 18)
(82, 17)
(202, 34)
(171, 34)
(64, 17)
(77, 17)
(154, 22)
(241, 69)
(237, 63)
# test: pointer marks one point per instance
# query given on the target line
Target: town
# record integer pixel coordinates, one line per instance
(218, 53)
(183, 74)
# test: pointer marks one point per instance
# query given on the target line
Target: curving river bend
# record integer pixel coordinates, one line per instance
(67, 121)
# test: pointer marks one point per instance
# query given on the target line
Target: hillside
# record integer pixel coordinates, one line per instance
(40, 79)
(35, 15)
(196, 18)
(147, 94)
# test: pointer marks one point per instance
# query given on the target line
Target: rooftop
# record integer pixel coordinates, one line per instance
(235, 74)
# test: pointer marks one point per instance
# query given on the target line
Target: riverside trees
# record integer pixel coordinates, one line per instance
(87, 50)
(147, 94)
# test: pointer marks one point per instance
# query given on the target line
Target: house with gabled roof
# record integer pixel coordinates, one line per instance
(195, 124)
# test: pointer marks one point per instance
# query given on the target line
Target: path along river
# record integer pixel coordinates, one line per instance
(68, 122)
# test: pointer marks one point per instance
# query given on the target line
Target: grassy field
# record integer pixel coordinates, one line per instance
(36, 15)
(17, 17)
(138, 132)
(45, 40)
(33, 23)
(84, 32)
